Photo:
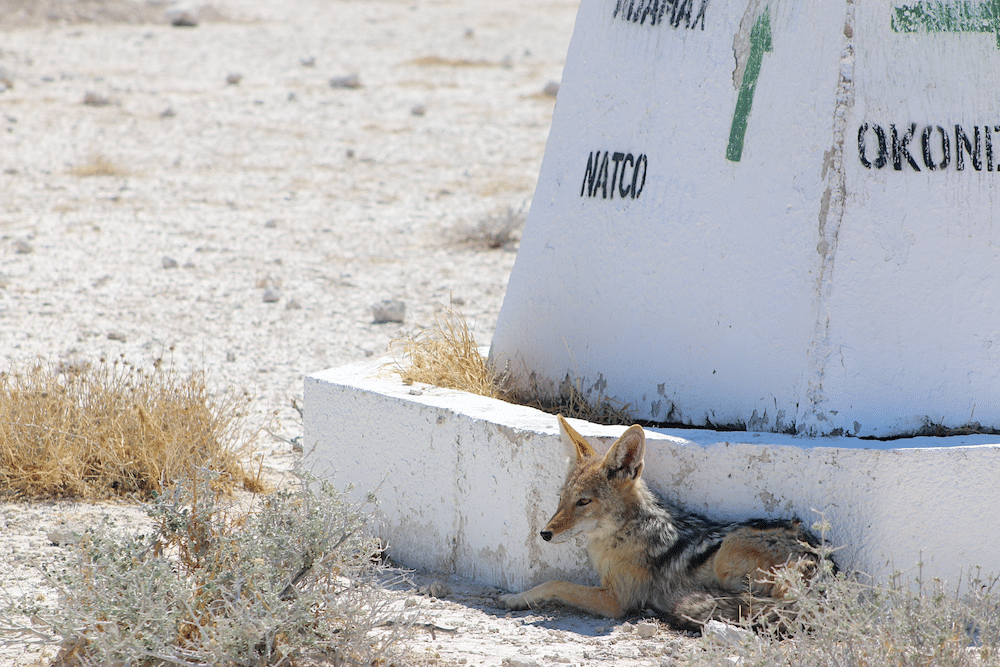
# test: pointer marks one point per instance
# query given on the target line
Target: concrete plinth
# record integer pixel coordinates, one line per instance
(465, 483)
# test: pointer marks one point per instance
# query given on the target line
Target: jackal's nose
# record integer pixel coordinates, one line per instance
(547, 535)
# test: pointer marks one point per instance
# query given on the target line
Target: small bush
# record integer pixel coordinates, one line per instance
(297, 576)
(114, 430)
(501, 230)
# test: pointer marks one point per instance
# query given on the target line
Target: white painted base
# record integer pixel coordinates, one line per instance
(465, 482)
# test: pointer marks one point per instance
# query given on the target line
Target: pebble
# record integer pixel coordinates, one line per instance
(182, 18)
(293, 305)
(349, 81)
(117, 335)
(551, 88)
(271, 295)
(388, 310)
(22, 247)
(723, 634)
(418, 110)
(308, 62)
(233, 78)
(436, 589)
(168, 113)
(646, 629)
(169, 263)
(93, 99)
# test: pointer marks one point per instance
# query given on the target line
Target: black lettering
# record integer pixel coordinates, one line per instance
(663, 8)
(962, 141)
(677, 13)
(883, 153)
(589, 175)
(925, 144)
(989, 148)
(624, 192)
(635, 173)
(899, 150)
(616, 158)
(602, 178)
(701, 15)
(682, 12)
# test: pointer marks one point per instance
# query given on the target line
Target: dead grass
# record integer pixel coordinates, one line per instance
(446, 355)
(115, 430)
(441, 61)
(99, 165)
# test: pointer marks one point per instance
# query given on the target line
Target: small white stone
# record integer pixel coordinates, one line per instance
(646, 629)
(723, 634)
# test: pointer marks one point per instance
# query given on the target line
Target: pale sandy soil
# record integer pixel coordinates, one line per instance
(328, 199)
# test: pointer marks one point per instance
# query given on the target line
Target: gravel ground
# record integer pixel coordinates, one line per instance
(235, 196)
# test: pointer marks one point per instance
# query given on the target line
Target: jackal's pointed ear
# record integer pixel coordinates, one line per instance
(624, 459)
(576, 446)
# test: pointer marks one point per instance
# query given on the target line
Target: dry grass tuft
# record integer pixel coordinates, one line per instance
(446, 355)
(441, 61)
(115, 430)
(99, 165)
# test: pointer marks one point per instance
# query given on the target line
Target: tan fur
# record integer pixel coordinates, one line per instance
(649, 553)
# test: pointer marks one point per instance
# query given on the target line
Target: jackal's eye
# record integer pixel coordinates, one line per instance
(582, 501)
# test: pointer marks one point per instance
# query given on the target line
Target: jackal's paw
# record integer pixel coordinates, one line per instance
(513, 601)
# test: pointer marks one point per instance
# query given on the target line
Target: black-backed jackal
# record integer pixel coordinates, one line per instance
(653, 554)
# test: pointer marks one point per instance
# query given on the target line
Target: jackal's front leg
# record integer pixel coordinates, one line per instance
(591, 599)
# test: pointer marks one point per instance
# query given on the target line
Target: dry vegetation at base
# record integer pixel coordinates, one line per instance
(846, 622)
(113, 429)
(446, 355)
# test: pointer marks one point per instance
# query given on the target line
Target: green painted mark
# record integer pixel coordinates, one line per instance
(760, 43)
(948, 17)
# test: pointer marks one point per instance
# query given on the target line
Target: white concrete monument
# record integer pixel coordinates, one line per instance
(776, 214)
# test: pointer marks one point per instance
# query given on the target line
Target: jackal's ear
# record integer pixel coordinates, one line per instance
(576, 446)
(624, 459)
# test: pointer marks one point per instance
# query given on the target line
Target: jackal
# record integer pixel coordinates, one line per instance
(653, 554)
